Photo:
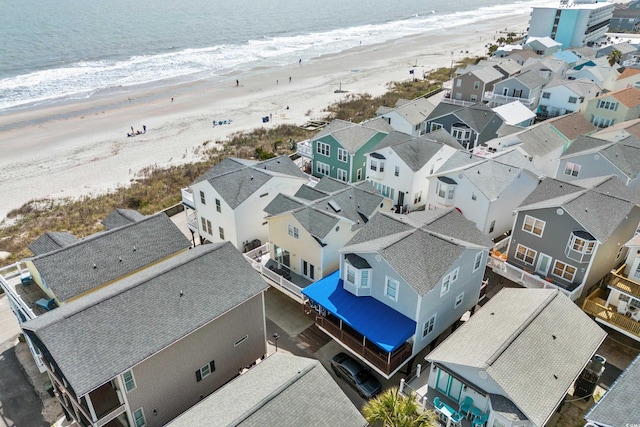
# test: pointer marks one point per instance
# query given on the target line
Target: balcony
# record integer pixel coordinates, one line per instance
(498, 262)
(187, 198)
(305, 149)
(192, 219)
(596, 305)
(495, 99)
(460, 102)
(386, 363)
(623, 284)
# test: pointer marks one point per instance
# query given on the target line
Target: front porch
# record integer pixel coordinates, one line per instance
(597, 305)
(372, 331)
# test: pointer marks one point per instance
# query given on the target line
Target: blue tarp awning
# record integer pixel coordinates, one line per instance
(382, 325)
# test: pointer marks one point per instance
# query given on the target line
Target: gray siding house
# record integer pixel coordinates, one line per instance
(403, 280)
(569, 236)
(470, 126)
(149, 346)
(591, 157)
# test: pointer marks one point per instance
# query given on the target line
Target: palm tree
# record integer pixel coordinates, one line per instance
(614, 56)
(393, 409)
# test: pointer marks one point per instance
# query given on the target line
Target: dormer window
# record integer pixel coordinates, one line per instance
(357, 271)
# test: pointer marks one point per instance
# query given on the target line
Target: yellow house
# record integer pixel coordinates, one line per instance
(614, 107)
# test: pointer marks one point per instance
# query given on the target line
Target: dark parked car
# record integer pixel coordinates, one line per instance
(358, 377)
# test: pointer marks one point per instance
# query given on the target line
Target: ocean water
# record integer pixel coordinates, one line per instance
(54, 50)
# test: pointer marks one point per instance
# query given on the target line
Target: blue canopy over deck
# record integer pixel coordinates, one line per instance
(379, 323)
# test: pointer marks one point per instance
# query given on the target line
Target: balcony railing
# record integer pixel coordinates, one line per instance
(460, 102)
(504, 99)
(624, 284)
(305, 149)
(596, 305)
(257, 258)
(498, 263)
(187, 198)
(384, 362)
(192, 219)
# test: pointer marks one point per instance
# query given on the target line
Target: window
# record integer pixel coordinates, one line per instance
(477, 262)
(218, 207)
(294, 232)
(391, 288)
(581, 245)
(417, 197)
(202, 198)
(397, 171)
(206, 225)
(324, 149)
(359, 174)
(435, 126)
(359, 278)
(322, 168)
(343, 155)
(546, 95)
(445, 191)
(473, 98)
(533, 225)
(620, 251)
(374, 165)
(364, 278)
(607, 105)
(525, 254)
(573, 100)
(221, 233)
(448, 280)
(459, 300)
(476, 85)
(138, 418)
(429, 326)
(205, 371)
(492, 226)
(458, 83)
(129, 381)
(351, 275)
(241, 340)
(342, 175)
(565, 271)
(571, 169)
(461, 135)
(381, 166)
(601, 122)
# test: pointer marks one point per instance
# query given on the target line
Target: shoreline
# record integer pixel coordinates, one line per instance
(80, 147)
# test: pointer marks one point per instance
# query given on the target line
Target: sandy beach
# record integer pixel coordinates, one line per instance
(81, 148)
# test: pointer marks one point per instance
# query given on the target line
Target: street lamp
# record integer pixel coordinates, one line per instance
(275, 338)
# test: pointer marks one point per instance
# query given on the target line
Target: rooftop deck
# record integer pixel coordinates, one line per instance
(596, 305)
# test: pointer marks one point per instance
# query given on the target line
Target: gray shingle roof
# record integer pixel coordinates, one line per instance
(624, 157)
(598, 213)
(392, 138)
(282, 390)
(316, 222)
(330, 185)
(70, 271)
(282, 203)
(583, 144)
(416, 152)
(458, 160)
(491, 177)
(235, 180)
(309, 193)
(500, 337)
(120, 217)
(85, 336)
(622, 402)
(416, 111)
(550, 189)
(357, 261)
(541, 140)
(402, 240)
(517, 159)
(51, 241)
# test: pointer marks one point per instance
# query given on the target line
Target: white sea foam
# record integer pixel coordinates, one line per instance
(84, 78)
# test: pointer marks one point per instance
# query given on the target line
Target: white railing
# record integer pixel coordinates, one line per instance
(305, 149)
(504, 99)
(7, 273)
(187, 198)
(256, 257)
(460, 102)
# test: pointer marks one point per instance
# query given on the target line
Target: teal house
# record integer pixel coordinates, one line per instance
(339, 150)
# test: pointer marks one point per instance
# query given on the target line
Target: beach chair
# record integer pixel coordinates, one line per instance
(465, 406)
(480, 421)
(622, 307)
(46, 304)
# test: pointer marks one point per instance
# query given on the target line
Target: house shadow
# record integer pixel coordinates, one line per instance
(20, 405)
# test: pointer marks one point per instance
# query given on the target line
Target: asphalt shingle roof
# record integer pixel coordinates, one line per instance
(316, 222)
(282, 203)
(416, 152)
(120, 217)
(115, 253)
(500, 337)
(585, 143)
(401, 241)
(156, 307)
(51, 241)
(282, 390)
(235, 180)
(621, 402)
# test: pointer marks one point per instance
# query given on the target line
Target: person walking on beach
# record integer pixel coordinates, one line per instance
(237, 83)
(276, 82)
(144, 128)
(300, 61)
(289, 79)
